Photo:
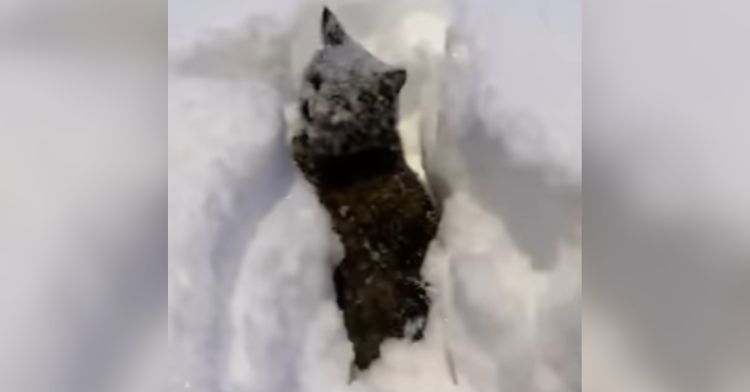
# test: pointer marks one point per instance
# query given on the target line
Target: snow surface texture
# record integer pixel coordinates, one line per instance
(506, 156)
(83, 204)
(251, 305)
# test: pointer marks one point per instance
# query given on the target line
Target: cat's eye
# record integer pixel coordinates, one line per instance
(367, 99)
(339, 101)
(305, 110)
(315, 80)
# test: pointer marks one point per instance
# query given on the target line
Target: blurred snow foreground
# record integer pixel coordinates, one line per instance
(83, 204)
(667, 220)
(251, 302)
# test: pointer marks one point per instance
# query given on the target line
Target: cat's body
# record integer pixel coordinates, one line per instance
(350, 151)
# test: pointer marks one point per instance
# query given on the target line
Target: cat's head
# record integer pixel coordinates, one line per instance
(349, 97)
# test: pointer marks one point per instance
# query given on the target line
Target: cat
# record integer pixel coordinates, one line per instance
(350, 150)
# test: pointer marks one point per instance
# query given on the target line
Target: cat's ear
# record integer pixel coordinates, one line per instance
(395, 79)
(332, 31)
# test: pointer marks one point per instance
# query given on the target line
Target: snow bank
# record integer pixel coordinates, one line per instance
(514, 78)
(506, 154)
(228, 167)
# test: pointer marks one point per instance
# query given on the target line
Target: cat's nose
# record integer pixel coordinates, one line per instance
(320, 108)
(339, 116)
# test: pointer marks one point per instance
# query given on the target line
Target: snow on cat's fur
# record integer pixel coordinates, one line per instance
(350, 150)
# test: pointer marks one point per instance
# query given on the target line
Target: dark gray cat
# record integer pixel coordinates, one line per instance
(349, 149)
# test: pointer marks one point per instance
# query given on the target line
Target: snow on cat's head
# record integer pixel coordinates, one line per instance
(348, 95)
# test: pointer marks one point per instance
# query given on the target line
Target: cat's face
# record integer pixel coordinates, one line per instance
(348, 93)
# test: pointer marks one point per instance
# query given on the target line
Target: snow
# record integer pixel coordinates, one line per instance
(506, 156)
(250, 252)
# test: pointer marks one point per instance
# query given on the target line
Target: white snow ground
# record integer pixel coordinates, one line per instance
(251, 306)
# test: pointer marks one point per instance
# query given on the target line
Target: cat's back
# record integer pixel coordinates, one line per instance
(392, 212)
